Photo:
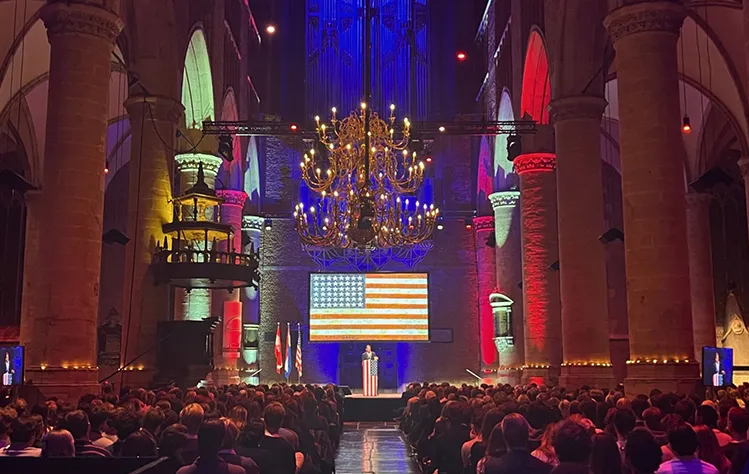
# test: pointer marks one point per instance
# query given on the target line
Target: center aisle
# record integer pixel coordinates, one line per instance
(376, 448)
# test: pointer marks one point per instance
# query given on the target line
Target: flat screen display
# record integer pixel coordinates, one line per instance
(717, 366)
(11, 365)
(369, 307)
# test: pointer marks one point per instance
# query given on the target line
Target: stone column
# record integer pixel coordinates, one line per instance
(653, 156)
(509, 269)
(744, 166)
(252, 226)
(195, 304)
(60, 334)
(541, 306)
(582, 259)
(231, 322)
(701, 271)
(149, 208)
(485, 260)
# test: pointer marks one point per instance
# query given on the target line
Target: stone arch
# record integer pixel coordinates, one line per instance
(230, 172)
(503, 174)
(536, 92)
(197, 82)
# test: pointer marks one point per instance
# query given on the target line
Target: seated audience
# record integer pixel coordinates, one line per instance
(58, 443)
(572, 445)
(23, 436)
(211, 436)
(518, 459)
(683, 442)
(76, 422)
(642, 455)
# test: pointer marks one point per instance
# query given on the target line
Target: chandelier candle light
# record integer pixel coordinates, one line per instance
(365, 179)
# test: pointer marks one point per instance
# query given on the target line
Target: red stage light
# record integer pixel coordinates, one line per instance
(469, 226)
(461, 56)
(106, 168)
(293, 128)
(686, 127)
(428, 159)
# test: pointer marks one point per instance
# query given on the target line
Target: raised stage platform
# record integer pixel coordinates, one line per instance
(357, 407)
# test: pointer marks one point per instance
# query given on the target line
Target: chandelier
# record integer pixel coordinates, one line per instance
(365, 179)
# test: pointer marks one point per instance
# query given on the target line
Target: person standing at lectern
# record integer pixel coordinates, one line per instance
(8, 369)
(369, 354)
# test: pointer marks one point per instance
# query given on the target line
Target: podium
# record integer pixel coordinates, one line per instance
(7, 379)
(369, 377)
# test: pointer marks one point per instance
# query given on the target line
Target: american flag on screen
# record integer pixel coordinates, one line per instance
(369, 307)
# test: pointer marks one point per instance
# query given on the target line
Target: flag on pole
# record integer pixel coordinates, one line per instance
(287, 362)
(299, 350)
(278, 349)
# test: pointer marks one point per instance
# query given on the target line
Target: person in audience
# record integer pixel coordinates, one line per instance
(545, 452)
(607, 454)
(491, 419)
(76, 422)
(683, 442)
(737, 451)
(173, 440)
(227, 452)
(280, 451)
(447, 442)
(248, 445)
(126, 422)
(495, 448)
(211, 436)
(7, 415)
(23, 433)
(140, 444)
(572, 445)
(191, 417)
(709, 450)
(707, 415)
(153, 421)
(624, 423)
(103, 416)
(642, 454)
(58, 443)
(515, 430)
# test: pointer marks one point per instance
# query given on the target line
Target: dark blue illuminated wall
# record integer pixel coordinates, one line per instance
(400, 56)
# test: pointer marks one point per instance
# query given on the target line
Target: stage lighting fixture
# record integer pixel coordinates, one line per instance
(293, 127)
(441, 129)
(514, 147)
(440, 222)
(491, 241)
(468, 223)
(554, 266)
(270, 29)
(106, 167)
(686, 126)
(267, 224)
(114, 236)
(611, 235)
(461, 56)
(226, 147)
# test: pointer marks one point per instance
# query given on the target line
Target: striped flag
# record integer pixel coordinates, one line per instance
(298, 362)
(287, 362)
(278, 349)
(369, 307)
(369, 377)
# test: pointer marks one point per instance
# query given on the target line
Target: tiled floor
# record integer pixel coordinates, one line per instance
(376, 448)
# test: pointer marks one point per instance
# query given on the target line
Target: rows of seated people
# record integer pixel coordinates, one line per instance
(282, 429)
(538, 429)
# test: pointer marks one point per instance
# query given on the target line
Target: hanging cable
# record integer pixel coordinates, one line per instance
(686, 126)
(135, 234)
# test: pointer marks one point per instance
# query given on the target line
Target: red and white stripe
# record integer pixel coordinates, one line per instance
(369, 381)
(299, 351)
(396, 308)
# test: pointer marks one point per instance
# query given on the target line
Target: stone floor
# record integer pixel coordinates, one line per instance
(373, 448)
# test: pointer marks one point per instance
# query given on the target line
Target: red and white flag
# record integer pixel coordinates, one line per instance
(279, 349)
(298, 362)
(369, 377)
